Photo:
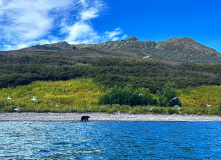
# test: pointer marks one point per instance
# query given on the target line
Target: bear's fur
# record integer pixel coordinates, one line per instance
(84, 118)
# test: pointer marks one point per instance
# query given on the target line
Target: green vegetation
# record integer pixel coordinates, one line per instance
(219, 108)
(69, 95)
(98, 79)
(197, 97)
(168, 96)
(128, 96)
(83, 95)
(23, 70)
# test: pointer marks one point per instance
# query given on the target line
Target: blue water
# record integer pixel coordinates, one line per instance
(110, 140)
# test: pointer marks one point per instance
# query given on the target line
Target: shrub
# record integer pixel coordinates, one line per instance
(167, 94)
(127, 96)
(219, 108)
(157, 110)
(172, 110)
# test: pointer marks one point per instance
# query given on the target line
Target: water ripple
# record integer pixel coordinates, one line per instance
(110, 140)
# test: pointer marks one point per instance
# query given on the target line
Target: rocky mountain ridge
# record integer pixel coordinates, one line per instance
(182, 49)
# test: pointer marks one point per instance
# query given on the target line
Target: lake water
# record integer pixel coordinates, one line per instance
(110, 140)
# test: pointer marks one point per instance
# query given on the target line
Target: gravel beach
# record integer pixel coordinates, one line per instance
(30, 116)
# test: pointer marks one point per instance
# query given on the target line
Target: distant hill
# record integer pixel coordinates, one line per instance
(175, 49)
(182, 49)
(54, 46)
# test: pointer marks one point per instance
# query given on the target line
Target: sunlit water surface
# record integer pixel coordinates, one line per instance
(110, 140)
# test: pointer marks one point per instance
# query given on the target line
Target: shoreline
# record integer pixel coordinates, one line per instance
(33, 116)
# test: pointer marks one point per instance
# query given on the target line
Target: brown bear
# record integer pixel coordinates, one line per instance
(84, 118)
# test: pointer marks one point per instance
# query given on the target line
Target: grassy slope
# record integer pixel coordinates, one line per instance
(197, 96)
(66, 94)
(81, 95)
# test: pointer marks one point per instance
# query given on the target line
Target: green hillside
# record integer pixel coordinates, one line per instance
(200, 96)
(82, 95)
(197, 100)
(22, 69)
(52, 72)
(69, 95)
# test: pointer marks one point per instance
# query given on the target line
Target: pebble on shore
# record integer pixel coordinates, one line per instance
(104, 117)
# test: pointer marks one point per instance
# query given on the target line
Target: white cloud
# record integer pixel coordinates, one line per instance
(27, 19)
(84, 3)
(81, 32)
(113, 35)
(90, 11)
(124, 36)
(89, 14)
(24, 20)
(29, 22)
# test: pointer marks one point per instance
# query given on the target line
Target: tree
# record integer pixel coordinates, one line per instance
(127, 96)
(168, 97)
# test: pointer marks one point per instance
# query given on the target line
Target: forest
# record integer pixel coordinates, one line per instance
(108, 71)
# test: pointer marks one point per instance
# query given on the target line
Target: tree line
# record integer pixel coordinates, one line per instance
(24, 69)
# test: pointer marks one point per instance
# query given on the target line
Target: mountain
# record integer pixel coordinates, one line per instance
(54, 46)
(175, 49)
(182, 49)
(185, 50)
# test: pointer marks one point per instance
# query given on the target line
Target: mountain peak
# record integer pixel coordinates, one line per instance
(181, 39)
(132, 38)
(178, 49)
(53, 46)
(61, 45)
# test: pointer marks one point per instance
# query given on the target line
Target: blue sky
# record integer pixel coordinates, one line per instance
(25, 23)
